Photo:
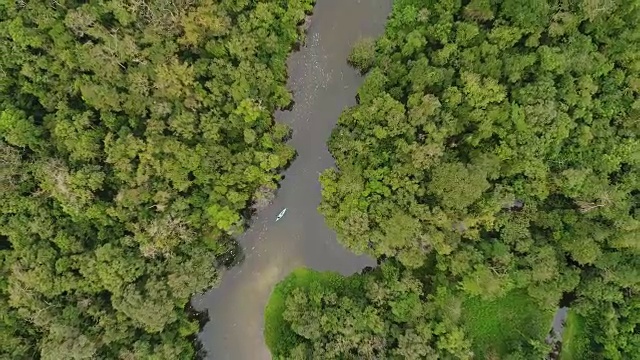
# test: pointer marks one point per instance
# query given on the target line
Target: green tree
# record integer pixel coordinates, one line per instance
(363, 54)
(494, 147)
(133, 137)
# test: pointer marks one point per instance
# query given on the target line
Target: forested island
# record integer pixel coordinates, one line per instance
(492, 166)
(135, 136)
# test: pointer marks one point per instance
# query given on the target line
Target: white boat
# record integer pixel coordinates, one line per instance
(281, 214)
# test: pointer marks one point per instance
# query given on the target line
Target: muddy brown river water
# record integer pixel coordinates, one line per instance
(323, 85)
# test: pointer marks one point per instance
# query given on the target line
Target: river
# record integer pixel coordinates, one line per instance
(323, 85)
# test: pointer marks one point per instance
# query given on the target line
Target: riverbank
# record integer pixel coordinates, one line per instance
(323, 85)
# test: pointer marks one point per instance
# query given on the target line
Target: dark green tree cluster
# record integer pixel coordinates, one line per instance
(500, 139)
(133, 137)
(326, 316)
(392, 312)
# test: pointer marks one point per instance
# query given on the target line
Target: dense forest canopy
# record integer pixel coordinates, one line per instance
(494, 151)
(133, 137)
(326, 316)
(391, 313)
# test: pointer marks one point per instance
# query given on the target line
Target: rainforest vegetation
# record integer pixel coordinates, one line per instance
(134, 137)
(492, 166)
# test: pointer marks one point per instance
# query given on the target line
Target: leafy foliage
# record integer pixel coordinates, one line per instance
(389, 313)
(363, 54)
(377, 315)
(279, 335)
(133, 136)
(503, 326)
(500, 139)
(575, 339)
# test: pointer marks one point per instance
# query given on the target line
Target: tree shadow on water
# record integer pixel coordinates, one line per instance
(201, 352)
(202, 317)
(234, 256)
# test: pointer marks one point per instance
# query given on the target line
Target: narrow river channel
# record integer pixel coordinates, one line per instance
(323, 85)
